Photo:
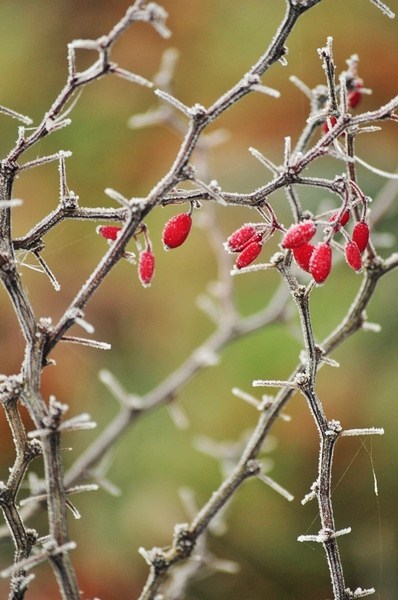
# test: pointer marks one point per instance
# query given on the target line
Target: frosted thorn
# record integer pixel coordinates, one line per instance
(84, 325)
(178, 415)
(11, 203)
(174, 102)
(264, 89)
(373, 327)
(117, 196)
(287, 151)
(301, 86)
(16, 115)
(212, 190)
(45, 159)
(384, 8)
(116, 389)
(363, 431)
(71, 339)
(247, 398)
(277, 383)
(359, 592)
(275, 486)
(132, 77)
(264, 160)
(187, 498)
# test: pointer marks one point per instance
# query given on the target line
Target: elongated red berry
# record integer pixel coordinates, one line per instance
(302, 255)
(360, 235)
(353, 256)
(325, 125)
(355, 96)
(343, 220)
(146, 267)
(240, 238)
(176, 230)
(299, 234)
(109, 232)
(248, 255)
(321, 262)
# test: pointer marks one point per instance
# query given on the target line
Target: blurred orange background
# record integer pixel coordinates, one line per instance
(153, 330)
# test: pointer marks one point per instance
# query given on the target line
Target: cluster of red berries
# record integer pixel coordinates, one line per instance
(317, 259)
(175, 232)
(248, 240)
(314, 259)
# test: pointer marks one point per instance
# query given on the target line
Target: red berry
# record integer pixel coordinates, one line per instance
(146, 267)
(176, 230)
(353, 256)
(355, 96)
(299, 234)
(325, 124)
(248, 255)
(302, 255)
(109, 232)
(240, 238)
(321, 262)
(344, 218)
(360, 235)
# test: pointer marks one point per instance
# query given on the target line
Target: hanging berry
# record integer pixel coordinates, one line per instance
(343, 220)
(109, 232)
(360, 235)
(328, 124)
(354, 96)
(299, 234)
(240, 238)
(321, 262)
(353, 256)
(146, 267)
(302, 255)
(248, 255)
(176, 230)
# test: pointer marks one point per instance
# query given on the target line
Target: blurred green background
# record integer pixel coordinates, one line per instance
(153, 330)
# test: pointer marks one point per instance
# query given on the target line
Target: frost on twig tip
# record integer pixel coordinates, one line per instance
(384, 8)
